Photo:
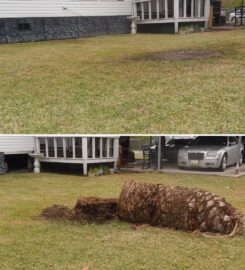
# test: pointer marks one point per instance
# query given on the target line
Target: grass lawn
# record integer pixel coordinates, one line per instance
(30, 242)
(231, 3)
(96, 85)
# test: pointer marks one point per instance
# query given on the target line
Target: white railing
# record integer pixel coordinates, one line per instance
(163, 11)
(76, 149)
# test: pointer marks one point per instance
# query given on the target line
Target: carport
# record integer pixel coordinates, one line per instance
(160, 164)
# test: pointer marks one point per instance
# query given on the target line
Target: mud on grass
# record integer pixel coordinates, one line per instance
(87, 210)
(182, 55)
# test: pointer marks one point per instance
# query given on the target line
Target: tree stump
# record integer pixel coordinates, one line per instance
(96, 209)
(178, 208)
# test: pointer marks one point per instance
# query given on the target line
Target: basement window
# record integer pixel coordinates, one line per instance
(24, 26)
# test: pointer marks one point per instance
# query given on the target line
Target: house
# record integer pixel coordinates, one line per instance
(36, 20)
(84, 151)
(14, 152)
(51, 152)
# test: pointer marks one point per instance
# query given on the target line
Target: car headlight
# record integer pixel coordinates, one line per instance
(211, 154)
(183, 154)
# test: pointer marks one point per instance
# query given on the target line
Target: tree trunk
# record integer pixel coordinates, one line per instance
(179, 208)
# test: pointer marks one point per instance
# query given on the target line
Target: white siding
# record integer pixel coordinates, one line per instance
(63, 8)
(16, 144)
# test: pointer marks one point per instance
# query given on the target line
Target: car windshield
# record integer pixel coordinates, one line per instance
(179, 142)
(211, 140)
(239, 11)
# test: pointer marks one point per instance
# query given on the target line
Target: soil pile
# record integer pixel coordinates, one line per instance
(57, 212)
(96, 209)
(87, 209)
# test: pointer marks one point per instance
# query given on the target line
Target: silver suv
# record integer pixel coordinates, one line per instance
(211, 152)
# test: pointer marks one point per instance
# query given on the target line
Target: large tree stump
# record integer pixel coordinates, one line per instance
(179, 208)
(96, 209)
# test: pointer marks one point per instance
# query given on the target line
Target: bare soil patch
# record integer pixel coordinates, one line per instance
(183, 55)
(96, 209)
(87, 209)
(58, 212)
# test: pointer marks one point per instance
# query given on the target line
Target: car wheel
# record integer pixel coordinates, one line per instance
(223, 164)
(241, 159)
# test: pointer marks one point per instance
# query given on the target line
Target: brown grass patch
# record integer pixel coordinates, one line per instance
(183, 55)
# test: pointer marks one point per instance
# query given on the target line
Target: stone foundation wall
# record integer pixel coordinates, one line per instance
(37, 29)
(2, 165)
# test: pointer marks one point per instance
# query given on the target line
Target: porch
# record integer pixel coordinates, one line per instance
(174, 12)
(75, 150)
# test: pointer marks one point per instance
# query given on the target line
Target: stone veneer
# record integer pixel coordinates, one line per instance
(2, 165)
(61, 28)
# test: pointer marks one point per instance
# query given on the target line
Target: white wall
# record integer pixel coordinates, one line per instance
(62, 8)
(16, 144)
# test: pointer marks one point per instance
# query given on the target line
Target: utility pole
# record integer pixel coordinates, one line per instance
(238, 155)
(241, 13)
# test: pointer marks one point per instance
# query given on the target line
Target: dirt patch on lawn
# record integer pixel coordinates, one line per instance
(96, 209)
(182, 55)
(58, 212)
(87, 209)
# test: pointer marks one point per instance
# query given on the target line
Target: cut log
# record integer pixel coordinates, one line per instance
(96, 209)
(178, 207)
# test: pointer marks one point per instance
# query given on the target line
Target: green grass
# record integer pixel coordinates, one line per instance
(30, 242)
(231, 3)
(95, 85)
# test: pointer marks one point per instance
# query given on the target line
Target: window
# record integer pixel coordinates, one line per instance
(50, 147)
(111, 147)
(181, 8)
(104, 143)
(60, 152)
(78, 148)
(233, 140)
(42, 146)
(90, 148)
(97, 147)
(69, 148)
(24, 26)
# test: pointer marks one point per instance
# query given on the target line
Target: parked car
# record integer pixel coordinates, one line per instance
(235, 17)
(211, 152)
(170, 151)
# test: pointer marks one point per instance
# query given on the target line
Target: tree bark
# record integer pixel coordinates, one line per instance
(179, 208)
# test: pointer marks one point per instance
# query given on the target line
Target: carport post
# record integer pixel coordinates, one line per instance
(238, 155)
(176, 16)
(85, 155)
(159, 156)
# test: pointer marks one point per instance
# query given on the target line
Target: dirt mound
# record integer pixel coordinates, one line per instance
(87, 209)
(96, 209)
(177, 207)
(183, 55)
(58, 212)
